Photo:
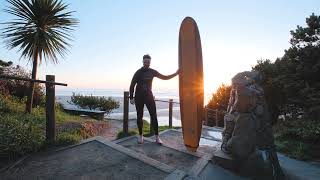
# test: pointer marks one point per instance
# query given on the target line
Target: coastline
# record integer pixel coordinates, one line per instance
(117, 114)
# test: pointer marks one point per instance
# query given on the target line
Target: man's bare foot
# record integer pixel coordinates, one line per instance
(158, 140)
(140, 139)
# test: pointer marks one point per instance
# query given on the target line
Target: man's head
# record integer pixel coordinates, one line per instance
(146, 60)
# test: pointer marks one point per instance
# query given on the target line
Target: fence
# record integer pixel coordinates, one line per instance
(212, 117)
(50, 102)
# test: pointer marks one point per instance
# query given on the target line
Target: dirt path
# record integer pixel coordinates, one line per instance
(110, 128)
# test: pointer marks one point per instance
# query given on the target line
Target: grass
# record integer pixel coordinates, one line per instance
(298, 139)
(23, 133)
(145, 130)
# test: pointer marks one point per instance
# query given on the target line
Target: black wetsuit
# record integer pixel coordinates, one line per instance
(144, 96)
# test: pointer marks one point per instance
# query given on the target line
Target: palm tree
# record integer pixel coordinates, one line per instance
(40, 31)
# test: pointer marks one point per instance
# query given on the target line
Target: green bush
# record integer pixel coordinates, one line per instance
(122, 135)
(67, 138)
(145, 130)
(298, 138)
(19, 89)
(21, 134)
(4, 107)
(300, 129)
(95, 102)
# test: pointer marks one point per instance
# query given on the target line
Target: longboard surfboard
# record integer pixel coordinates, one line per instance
(191, 89)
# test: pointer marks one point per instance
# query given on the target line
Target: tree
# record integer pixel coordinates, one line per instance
(302, 62)
(292, 82)
(220, 98)
(41, 30)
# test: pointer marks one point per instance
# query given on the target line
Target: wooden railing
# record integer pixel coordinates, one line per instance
(50, 102)
(211, 116)
(126, 111)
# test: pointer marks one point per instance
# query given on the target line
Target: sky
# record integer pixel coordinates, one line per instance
(112, 37)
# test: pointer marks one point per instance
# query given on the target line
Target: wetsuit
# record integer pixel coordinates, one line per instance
(144, 96)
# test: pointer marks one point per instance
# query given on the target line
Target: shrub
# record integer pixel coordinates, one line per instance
(19, 88)
(145, 130)
(4, 107)
(67, 138)
(122, 135)
(300, 129)
(95, 102)
(21, 134)
(298, 138)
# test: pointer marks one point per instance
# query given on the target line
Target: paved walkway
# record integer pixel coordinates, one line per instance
(99, 158)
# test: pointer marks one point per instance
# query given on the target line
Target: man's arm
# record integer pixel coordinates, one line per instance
(164, 77)
(133, 83)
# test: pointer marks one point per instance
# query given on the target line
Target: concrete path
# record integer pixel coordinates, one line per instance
(98, 158)
(95, 158)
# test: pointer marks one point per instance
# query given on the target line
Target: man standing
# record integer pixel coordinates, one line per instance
(144, 96)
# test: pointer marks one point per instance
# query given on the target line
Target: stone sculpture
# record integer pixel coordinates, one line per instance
(247, 134)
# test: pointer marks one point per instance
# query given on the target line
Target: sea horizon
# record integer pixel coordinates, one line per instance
(63, 96)
(114, 92)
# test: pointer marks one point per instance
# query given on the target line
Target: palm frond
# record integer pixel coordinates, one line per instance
(41, 28)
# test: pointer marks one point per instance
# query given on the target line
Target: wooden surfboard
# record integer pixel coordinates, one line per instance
(190, 83)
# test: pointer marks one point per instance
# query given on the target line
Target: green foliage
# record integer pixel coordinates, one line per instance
(220, 98)
(67, 138)
(299, 129)
(61, 116)
(294, 149)
(3, 65)
(21, 133)
(292, 83)
(19, 88)
(95, 102)
(219, 101)
(145, 130)
(4, 107)
(40, 28)
(298, 138)
(121, 134)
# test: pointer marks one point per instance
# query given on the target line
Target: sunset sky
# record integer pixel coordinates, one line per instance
(113, 36)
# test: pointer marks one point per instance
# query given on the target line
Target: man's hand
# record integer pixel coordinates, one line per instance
(131, 101)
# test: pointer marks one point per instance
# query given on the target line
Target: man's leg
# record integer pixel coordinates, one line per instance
(151, 105)
(139, 107)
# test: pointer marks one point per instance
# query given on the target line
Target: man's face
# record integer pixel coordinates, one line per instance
(146, 62)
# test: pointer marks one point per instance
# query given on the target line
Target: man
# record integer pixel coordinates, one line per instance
(144, 96)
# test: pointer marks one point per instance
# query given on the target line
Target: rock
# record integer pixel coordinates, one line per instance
(248, 128)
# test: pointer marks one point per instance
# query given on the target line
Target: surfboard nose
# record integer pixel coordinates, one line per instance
(188, 18)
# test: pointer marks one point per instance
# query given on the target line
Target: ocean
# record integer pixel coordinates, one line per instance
(63, 96)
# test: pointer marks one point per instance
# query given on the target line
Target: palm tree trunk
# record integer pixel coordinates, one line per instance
(31, 89)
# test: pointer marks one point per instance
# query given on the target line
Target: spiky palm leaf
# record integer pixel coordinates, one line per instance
(41, 28)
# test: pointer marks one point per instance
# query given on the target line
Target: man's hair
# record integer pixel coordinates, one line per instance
(147, 56)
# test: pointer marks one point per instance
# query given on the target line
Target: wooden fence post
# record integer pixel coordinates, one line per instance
(217, 118)
(50, 110)
(206, 118)
(170, 112)
(125, 112)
